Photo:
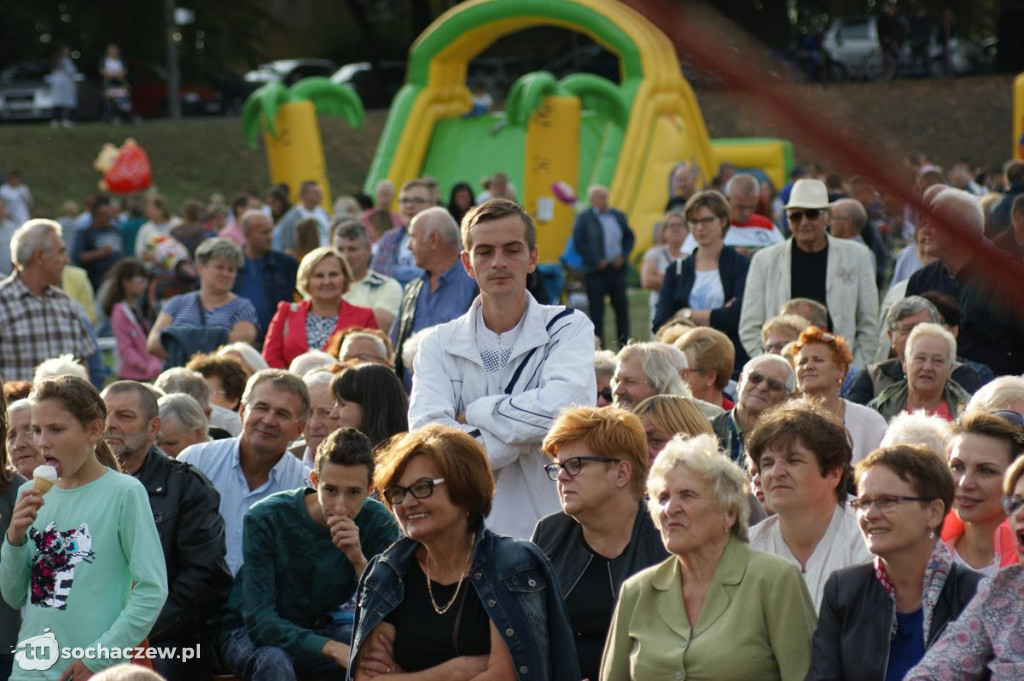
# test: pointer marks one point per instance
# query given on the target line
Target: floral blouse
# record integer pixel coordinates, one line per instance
(988, 636)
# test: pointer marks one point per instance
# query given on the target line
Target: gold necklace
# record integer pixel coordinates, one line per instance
(438, 609)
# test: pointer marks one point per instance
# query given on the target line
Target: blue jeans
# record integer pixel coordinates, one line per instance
(250, 662)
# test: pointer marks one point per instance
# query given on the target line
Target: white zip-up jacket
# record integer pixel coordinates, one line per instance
(551, 368)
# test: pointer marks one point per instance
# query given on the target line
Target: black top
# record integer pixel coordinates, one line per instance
(808, 274)
(591, 605)
(424, 639)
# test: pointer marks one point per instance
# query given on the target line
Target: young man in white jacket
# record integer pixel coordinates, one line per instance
(504, 370)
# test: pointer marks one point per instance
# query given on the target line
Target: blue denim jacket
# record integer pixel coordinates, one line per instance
(516, 585)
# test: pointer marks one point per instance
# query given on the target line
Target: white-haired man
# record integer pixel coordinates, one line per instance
(602, 237)
(837, 273)
(443, 292)
(37, 320)
(990, 331)
(647, 369)
(766, 381)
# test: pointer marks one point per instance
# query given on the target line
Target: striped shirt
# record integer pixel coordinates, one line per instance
(37, 328)
(184, 309)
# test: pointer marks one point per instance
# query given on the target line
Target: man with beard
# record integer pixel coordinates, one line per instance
(191, 530)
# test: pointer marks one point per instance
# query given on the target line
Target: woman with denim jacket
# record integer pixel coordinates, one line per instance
(451, 600)
(877, 619)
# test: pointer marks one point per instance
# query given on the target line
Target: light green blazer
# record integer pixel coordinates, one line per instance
(756, 624)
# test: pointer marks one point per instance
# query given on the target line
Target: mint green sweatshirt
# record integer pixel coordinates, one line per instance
(74, 573)
(293, 573)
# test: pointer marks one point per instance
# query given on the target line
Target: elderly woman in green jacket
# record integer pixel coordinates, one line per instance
(928, 364)
(716, 609)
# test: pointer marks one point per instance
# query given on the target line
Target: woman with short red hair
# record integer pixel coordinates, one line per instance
(821, 362)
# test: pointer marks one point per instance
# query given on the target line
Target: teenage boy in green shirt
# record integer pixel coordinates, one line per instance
(304, 552)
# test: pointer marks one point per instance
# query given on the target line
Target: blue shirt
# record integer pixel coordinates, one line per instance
(251, 287)
(907, 648)
(184, 309)
(455, 293)
(219, 461)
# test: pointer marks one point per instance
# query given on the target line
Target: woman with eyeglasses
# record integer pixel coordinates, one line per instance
(877, 619)
(451, 598)
(983, 448)
(707, 287)
(928, 363)
(821, 362)
(715, 609)
(604, 533)
(987, 641)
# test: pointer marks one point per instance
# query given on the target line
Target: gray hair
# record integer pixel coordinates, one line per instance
(1001, 393)
(219, 247)
(594, 188)
(908, 307)
(318, 377)
(934, 331)
(438, 219)
(281, 380)
(311, 361)
(32, 237)
(661, 366)
(604, 363)
(187, 381)
(347, 227)
(250, 355)
(64, 365)
(742, 184)
(853, 209)
(918, 428)
(146, 395)
(411, 346)
(377, 341)
(777, 360)
(183, 410)
(18, 405)
(956, 205)
(700, 453)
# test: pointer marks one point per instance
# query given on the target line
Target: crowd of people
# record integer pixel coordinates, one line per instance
(370, 444)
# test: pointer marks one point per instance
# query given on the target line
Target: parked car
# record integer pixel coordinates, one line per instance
(150, 93)
(25, 93)
(855, 51)
(287, 71)
(376, 84)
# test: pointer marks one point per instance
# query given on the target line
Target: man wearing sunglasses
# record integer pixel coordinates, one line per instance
(767, 381)
(837, 273)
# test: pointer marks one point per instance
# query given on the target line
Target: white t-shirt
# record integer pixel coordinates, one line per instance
(866, 427)
(841, 546)
(707, 292)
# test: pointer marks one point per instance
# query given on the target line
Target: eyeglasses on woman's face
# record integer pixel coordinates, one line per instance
(421, 489)
(884, 504)
(573, 466)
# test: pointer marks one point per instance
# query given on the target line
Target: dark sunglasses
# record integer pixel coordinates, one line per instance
(605, 393)
(809, 213)
(774, 384)
(1014, 418)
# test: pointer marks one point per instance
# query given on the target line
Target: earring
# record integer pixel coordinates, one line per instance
(931, 534)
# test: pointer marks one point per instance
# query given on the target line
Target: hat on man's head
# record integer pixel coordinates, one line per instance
(808, 194)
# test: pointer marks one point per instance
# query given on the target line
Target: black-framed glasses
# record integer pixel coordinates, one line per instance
(774, 384)
(884, 504)
(809, 213)
(421, 489)
(1011, 504)
(605, 393)
(573, 466)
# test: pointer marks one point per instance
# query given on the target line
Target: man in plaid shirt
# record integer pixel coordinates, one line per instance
(37, 320)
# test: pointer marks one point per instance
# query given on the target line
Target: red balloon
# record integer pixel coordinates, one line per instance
(130, 172)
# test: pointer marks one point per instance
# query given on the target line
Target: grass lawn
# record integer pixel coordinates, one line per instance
(190, 158)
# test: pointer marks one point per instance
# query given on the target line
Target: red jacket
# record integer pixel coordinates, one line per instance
(286, 335)
(1006, 543)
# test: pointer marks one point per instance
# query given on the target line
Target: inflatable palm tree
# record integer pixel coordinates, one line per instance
(291, 135)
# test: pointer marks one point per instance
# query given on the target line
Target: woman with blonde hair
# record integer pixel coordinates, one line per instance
(665, 416)
(323, 278)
